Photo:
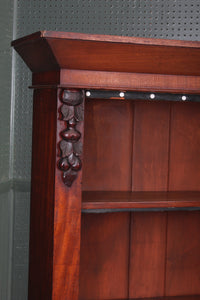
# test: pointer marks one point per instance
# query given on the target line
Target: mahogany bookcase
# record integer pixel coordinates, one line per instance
(121, 221)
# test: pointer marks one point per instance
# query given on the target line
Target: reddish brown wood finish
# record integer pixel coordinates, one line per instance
(70, 51)
(143, 200)
(105, 38)
(150, 173)
(147, 256)
(185, 147)
(55, 230)
(46, 78)
(128, 81)
(183, 259)
(42, 194)
(67, 218)
(150, 147)
(107, 152)
(104, 256)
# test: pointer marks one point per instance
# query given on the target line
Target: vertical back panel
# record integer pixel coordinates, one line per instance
(183, 259)
(107, 147)
(147, 261)
(185, 147)
(105, 237)
(150, 172)
(104, 256)
(150, 146)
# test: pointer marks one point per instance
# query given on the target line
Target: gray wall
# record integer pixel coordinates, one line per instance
(174, 19)
(6, 193)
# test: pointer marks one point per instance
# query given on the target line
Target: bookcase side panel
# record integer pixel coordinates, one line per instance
(42, 194)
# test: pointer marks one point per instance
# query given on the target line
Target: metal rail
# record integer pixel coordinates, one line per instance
(131, 95)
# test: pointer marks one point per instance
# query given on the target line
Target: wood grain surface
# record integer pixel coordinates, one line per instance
(104, 256)
(147, 255)
(183, 259)
(42, 195)
(143, 200)
(126, 81)
(108, 146)
(184, 168)
(67, 226)
(70, 50)
(150, 146)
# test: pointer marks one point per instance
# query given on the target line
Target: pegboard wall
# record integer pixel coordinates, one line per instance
(176, 19)
(169, 19)
(5, 86)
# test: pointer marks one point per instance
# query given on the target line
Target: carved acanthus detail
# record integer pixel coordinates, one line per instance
(70, 146)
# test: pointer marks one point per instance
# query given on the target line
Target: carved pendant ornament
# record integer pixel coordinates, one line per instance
(72, 112)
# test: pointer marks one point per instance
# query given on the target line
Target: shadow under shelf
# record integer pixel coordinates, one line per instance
(118, 201)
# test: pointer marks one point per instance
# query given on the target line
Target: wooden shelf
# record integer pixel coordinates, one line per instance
(103, 201)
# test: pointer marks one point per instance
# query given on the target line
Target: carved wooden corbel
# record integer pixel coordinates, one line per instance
(72, 111)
